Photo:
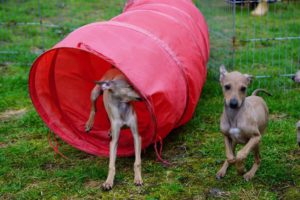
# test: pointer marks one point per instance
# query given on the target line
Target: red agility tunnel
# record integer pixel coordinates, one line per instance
(161, 46)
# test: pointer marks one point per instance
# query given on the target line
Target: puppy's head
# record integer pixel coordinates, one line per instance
(234, 85)
(296, 78)
(120, 89)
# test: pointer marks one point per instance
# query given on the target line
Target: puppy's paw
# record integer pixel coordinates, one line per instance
(88, 126)
(220, 175)
(241, 156)
(231, 160)
(107, 186)
(138, 182)
(248, 176)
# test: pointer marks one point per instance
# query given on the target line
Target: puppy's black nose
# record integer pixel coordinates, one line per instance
(293, 78)
(233, 103)
(139, 99)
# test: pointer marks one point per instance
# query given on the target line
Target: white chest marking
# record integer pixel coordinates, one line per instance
(235, 132)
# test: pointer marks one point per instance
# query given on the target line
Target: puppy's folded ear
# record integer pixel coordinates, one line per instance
(249, 78)
(223, 72)
(105, 85)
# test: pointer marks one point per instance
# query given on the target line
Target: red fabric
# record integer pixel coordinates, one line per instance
(161, 46)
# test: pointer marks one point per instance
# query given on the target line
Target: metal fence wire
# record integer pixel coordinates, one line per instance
(267, 47)
(28, 28)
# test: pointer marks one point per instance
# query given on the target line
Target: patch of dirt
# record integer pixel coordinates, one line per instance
(6, 115)
(218, 193)
(48, 166)
(5, 64)
(3, 145)
(295, 152)
(278, 116)
(36, 50)
(31, 186)
(92, 184)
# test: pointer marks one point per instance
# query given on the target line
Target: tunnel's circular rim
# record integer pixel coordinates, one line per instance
(43, 114)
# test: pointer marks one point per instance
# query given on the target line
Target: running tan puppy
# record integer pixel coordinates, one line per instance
(117, 97)
(243, 121)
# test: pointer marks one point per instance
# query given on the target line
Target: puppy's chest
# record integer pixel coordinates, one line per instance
(237, 135)
(124, 110)
(119, 111)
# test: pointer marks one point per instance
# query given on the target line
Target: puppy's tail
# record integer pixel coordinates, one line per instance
(254, 93)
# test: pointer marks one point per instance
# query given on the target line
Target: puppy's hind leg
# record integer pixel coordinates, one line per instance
(229, 149)
(115, 130)
(222, 172)
(94, 96)
(137, 147)
(249, 175)
(243, 153)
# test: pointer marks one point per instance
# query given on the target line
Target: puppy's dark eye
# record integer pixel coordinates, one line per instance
(243, 89)
(227, 87)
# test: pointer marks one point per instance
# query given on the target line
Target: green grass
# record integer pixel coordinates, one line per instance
(28, 169)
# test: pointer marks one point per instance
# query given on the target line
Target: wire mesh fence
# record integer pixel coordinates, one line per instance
(267, 47)
(220, 18)
(28, 28)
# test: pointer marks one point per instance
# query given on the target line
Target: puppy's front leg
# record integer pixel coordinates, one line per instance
(137, 147)
(230, 147)
(229, 150)
(228, 142)
(115, 132)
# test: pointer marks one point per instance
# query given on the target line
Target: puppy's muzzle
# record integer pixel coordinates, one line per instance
(233, 103)
(293, 78)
